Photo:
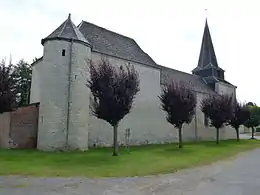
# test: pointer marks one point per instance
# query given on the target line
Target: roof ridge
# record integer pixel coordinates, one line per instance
(178, 70)
(65, 23)
(83, 21)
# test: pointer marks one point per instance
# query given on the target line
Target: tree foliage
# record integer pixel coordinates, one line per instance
(7, 87)
(219, 110)
(251, 104)
(179, 102)
(241, 114)
(22, 75)
(114, 90)
(254, 119)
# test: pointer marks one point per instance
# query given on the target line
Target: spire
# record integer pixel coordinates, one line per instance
(67, 31)
(207, 54)
(208, 66)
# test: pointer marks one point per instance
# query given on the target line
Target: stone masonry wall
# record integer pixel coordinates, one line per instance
(4, 129)
(24, 127)
(19, 128)
(147, 121)
(53, 84)
(79, 98)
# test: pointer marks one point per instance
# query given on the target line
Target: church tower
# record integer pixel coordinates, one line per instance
(64, 97)
(207, 66)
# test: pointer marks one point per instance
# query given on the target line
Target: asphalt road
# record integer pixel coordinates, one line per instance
(239, 176)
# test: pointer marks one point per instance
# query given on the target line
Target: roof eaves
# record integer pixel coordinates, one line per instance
(83, 21)
(36, 61)
(66, 39)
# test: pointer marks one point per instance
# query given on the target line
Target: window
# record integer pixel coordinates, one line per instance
(63, 52)
(206, 121)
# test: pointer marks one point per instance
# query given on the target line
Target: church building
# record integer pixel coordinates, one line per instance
(59, 80)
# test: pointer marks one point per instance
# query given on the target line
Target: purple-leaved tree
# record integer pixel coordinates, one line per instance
(179, 103)
(241, 114)
(219, 110)
(113, 90)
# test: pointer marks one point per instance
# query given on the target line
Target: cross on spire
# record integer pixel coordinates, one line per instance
(206, 12)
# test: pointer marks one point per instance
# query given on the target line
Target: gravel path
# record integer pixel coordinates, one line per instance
(240, 176)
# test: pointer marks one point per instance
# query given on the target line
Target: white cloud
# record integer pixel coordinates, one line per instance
(169, 30)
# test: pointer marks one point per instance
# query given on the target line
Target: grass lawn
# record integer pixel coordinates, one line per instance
(142, 160)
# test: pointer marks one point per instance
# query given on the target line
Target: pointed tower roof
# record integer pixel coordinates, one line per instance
(207, 54)
(67, 31)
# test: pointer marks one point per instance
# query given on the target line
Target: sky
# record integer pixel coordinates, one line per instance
(170, 31)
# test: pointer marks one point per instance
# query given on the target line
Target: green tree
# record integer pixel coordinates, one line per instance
(7, 88)
(254, 119)
(22, 74)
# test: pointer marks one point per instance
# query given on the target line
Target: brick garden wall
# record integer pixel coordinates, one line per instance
(19, 128)
(4, 129)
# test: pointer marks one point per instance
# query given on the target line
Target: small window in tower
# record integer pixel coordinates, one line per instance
(63, 52)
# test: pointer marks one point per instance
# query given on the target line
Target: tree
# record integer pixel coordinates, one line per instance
(251, 104)
(179, 103)
(241, 114)
(114, 90)
(7, 94)
(254, 119)
(22, 75)
(219, 110)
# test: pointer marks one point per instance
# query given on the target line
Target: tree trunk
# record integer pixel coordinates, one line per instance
(253, 133)
(237, 131)
(115, 144)
(217, 141)
(180, 138)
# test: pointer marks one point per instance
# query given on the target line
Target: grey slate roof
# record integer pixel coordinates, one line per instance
(196, 82)
(111, 43)
(67, 31)
(207, 54)
(208, 60)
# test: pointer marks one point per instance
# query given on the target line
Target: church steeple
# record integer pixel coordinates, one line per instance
(207, 65)
(207, 53)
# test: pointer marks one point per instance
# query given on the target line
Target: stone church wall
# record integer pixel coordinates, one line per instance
(53, 79)
(146, 121)
(35, 85)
